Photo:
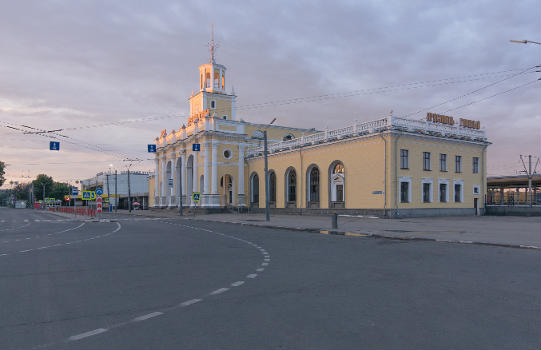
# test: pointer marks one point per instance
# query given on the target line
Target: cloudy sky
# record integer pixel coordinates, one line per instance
(74, 65)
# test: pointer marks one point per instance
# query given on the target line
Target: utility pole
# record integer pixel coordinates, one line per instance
(116, 194)
(266, 155)
(43, 192)
(529, 172)
(129, 189)
(267, 201)
(108, 193)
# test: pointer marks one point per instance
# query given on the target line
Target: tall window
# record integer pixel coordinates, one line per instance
(426, 161)
(427, 188)
(314, 185)
(458, 193)
(458, 164)
(443, 193)
(291, 186)
(337, 185)
(272, 186)
(475, 165)
(255, 188)
(443, 162)
(404, 192)
(404, 159)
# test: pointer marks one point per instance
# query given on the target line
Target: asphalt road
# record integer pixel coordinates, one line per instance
(169, 283)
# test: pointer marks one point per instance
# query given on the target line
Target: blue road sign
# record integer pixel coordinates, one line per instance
(196, 196)
(152, 148)
(99, 191)
(54, 146)
(170, 182)
(74, 191)
(196, 147)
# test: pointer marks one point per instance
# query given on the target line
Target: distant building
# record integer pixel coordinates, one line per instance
(138, 186)
(391, 166)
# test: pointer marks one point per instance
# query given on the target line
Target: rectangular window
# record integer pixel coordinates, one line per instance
(443, 193)
(458, 164)
(443, 162)
(404, 159)
(426, 192)
(475, 165)
(458, 193)
(426, 160)
(404, 192)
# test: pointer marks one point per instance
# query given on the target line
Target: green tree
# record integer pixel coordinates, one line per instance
(2, 172)
(59, 190)
(43, 181)
(22, 191)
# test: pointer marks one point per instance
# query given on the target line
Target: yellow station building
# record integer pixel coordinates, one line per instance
(392, 166)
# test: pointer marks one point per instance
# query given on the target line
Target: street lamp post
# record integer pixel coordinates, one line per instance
(265, 152)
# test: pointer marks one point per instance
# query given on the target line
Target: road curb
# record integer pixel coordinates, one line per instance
(374, 235)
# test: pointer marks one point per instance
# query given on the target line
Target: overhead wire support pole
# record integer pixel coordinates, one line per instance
(267, 180)
(529, 173)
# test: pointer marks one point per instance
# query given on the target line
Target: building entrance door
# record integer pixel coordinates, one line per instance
(476, 206)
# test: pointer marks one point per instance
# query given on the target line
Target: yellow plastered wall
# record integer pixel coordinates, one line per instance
(363, 160)
(223, 105)
(436, 146)
(196, 104)
(151, 193)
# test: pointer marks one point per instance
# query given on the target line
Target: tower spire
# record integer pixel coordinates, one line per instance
(212, 44)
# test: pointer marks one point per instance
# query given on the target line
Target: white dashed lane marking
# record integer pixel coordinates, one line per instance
(184, 303)
(66, 243)
(147, 316)
(190, 302)
(219, 291)
(87, 334)
(48, 234)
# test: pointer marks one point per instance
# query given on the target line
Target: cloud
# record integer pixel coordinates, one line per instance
(72, 64)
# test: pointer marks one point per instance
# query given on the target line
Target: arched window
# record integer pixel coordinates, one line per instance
(291, 188)
(337, 185)
(313, 187)
(254, 189)
(272, 187)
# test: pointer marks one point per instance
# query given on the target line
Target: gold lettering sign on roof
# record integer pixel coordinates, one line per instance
(440, 118)
(472, 124)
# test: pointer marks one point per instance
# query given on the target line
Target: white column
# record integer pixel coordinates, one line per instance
(240, 193)
(156, 182)
(164, 183)
(172, 189)
(214, 167)
(195, 177)
(220, 80)
(184, 179)
(206, 169)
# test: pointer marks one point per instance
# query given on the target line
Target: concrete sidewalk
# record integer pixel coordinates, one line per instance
(512, 231)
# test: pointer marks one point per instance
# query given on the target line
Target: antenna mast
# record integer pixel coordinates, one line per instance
(212, 44)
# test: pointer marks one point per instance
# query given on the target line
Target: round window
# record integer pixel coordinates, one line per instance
(227, 154)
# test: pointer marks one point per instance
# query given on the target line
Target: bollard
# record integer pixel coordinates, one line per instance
(334, 221)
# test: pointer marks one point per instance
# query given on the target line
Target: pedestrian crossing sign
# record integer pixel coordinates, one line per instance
(88, 195)
(196, 196)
